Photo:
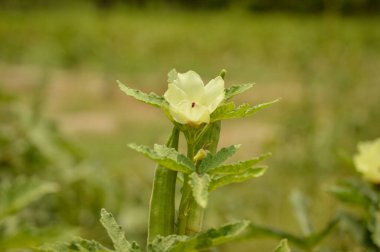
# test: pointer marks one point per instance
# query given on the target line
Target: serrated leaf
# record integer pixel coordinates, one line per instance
(236, 89)
(172, 75)
(151, 98)
(199, 185)
(79, 244)
(211, 161)
(201, 241)
(238, 167)
(212, 237)
(219, 181)
(117, 234)
(17, 194)
(165, 243)
(221, 110)
(282, 247)
(232, 112)
(165, 156)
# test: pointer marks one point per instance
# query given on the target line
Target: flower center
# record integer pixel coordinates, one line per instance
(193, 104)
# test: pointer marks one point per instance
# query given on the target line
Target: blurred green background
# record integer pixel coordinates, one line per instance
(65, 125)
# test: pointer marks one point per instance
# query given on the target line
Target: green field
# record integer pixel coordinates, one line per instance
(324, 68)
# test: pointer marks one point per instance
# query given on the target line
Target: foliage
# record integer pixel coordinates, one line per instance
(19, 193)
(172, 243)
(31, 145)
(306, 54)
(363, 226)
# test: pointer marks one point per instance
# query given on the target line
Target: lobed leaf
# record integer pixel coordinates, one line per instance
(211, 161)
(199, 185)
(201, 241)
(151, 98)
(78, 244)
(219, 181)
(236, 89)
(117, 234)
(230, 111)
(222, 110)
(238, 167)
(165, 243)
(165, 156)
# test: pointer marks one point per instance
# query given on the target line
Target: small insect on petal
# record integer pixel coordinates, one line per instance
(193, 104)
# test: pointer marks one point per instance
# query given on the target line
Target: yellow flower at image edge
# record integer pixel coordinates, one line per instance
(367, 161)
(190, 101)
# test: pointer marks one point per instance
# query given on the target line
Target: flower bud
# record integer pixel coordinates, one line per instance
(201, 154)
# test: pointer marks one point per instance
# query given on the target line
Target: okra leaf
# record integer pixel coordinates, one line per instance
(218, 181)
(201, 241)
(236, 89)
(117, 234)
(151, 98)
(78, 244)
(211, 161)
(230, 111)
(165, 156)
(238, 167)
(199, 185)
(165, 243)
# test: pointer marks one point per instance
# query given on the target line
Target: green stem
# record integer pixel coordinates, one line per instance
(186, 191)
(190, 214)
(162, 202)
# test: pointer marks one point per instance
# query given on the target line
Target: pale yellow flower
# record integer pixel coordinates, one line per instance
(190, 101)
(367, 161)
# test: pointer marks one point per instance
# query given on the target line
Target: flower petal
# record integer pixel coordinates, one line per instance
(187, 113)
(214, 93)
(199, 114)
(174, 95)
(191, 83)
(180, 112)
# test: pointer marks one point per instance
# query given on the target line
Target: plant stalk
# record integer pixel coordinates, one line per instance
(162, 202)
(190, 214)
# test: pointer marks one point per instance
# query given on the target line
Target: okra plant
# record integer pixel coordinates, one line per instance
(364, 195)
(196, 111)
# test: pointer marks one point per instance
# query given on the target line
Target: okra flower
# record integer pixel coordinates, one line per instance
(190, 101)
(367, 161)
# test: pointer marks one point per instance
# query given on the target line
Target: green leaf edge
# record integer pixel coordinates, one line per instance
(151, 98)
